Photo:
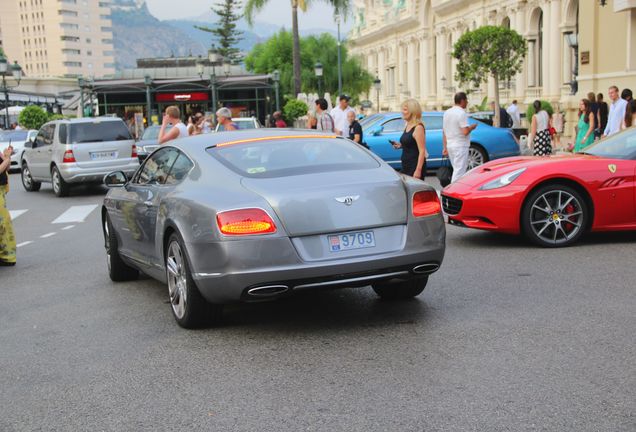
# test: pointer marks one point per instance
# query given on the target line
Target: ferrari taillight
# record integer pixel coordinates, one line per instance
(68, 157)
(248, 221)
(426, 203)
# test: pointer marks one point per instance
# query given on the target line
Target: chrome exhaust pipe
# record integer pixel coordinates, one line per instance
(425, 268)
(268, 290)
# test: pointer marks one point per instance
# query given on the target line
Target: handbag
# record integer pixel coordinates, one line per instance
(445, 172)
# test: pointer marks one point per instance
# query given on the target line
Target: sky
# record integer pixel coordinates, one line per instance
(319, 15)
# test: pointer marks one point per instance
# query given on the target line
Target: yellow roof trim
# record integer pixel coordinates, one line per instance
(271, 138)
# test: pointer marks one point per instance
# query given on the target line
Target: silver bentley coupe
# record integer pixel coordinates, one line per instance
(257, 215)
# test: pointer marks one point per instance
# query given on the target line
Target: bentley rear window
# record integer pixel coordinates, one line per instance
(289, 156)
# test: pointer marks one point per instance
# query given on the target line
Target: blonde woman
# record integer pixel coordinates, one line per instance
(413, 140)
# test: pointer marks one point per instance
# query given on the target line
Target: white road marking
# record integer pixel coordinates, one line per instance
(68, 227)
(23, 243)
(51, 234)
(16, 213)
(75, 214)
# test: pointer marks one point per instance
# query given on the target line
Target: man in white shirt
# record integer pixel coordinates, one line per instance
(515, 115)
(616, 112)
(456, 137)
(339, 115)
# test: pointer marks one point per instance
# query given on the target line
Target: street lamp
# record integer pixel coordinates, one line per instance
(449, 88)
(16, 72)
(214, 57)
(148, 83)
(339, 56)
(81, 83)
(573, 41)
(227, 66)
(318, 71)
(200, 64)
(377, 85)
(276, 78)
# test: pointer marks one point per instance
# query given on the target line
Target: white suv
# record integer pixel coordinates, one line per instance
(65, 152)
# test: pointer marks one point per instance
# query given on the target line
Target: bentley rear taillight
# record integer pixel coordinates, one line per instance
(69, 157)
(248, 221)
(426, 203)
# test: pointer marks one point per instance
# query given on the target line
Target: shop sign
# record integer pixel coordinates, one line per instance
(183, 97)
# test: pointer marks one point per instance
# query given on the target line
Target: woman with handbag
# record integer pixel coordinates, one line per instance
(540, 130)
(413, 140)
(7, 238)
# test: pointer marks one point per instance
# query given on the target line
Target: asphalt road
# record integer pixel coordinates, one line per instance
(506, 337)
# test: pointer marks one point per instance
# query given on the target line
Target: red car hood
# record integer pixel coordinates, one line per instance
(499, 167)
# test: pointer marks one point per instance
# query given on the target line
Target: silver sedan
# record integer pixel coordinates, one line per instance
(257, 215)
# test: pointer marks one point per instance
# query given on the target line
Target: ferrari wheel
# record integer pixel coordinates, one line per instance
(555, 216)
(189, 308)
(400, 290)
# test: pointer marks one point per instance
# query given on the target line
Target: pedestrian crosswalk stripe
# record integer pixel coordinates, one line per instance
(16, 213)
(23, 243)
(75, 214)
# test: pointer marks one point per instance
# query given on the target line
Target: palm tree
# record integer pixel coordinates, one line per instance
(253, 6)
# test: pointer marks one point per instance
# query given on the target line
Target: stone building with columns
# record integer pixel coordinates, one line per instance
(573, 46)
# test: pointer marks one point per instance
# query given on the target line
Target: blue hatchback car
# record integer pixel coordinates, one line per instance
(486, 142)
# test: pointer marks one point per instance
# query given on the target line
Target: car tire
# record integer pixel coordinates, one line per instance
(118, 270)
(188, 306)
(400, 290)
(28, 183)
(476, 156)
(60, 187)
(555, 215)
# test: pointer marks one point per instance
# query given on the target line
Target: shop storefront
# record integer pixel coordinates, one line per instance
(245, 95)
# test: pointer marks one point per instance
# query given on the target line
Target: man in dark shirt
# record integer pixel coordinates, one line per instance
(355, 129)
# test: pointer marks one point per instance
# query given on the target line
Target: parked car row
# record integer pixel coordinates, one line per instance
(67, 152)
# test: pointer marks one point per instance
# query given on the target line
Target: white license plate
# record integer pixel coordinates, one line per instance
(103, 155)
(356, 240)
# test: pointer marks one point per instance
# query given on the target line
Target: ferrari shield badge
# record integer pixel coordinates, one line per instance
(611, 168)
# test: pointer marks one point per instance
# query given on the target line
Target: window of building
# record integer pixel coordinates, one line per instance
(72, 64)
(109, 53)
(69, 26)
(88, 40)
(107, 41)
(71, 51)
(107, 29)
(89, 53)
(70, 38)
(68, 13)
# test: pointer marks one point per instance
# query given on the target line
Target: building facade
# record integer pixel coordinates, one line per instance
(58, 38)
(574, 46)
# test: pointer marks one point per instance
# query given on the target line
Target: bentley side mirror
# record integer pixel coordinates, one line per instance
(115, 179)
(29, 144)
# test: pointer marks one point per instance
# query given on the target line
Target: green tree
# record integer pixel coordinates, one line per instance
(294, 109)
(489, 51)
(225, 31)
(341, 7)
(32, 117)
(276, 53)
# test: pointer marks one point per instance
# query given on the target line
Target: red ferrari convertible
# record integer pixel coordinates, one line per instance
(552, 200)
